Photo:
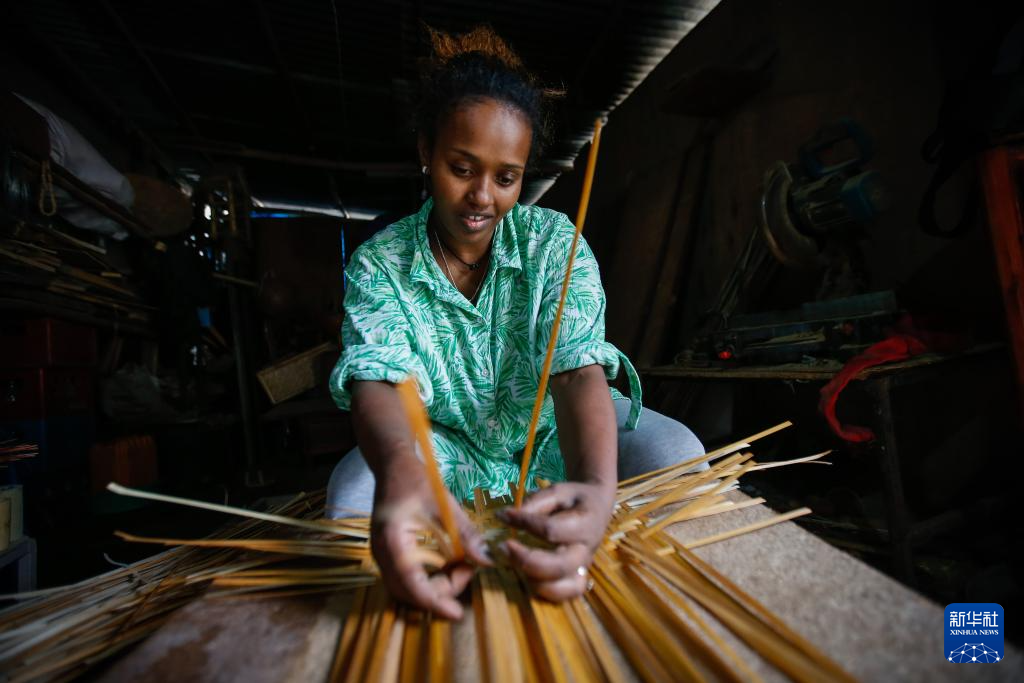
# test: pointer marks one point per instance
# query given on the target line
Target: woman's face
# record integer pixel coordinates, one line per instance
(476, 167)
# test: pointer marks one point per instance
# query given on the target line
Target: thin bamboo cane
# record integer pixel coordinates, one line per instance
(500, 657)
(545, 373)
(598, 643)
(326, 526)
(755, 526)
(680, 491)
(724, 648)
(764, 637)
(697, 505)
(417, 417)
(414, 648)
(757, 609)
(538, 666)
(680, 628)
(384, 665)
(440, 650)
(724, 450)
(639, 651)
(347, 638)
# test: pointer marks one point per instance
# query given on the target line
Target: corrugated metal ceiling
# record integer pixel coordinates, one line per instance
(334, 80)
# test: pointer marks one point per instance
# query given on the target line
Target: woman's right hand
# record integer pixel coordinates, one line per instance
(403, 503)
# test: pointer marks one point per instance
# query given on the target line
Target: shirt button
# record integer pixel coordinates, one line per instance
(485, 372)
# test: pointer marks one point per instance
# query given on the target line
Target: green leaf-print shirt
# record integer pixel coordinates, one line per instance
(477, 367)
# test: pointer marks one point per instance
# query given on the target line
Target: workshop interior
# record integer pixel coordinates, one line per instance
(805, 214)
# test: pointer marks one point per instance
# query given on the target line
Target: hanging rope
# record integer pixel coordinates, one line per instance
(47, 199)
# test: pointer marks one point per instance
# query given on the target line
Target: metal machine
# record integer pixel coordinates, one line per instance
(807, 209)
(811, 216)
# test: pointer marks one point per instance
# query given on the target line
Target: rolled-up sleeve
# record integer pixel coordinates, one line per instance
(375, 336)
(581, 339)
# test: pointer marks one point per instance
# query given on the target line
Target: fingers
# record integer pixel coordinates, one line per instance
(459, 576)
(434, 593)
(546, 501)
(554, 574)
(472, 540)
(407, 580)
(566, 526)
(548, 565)
(566, 588)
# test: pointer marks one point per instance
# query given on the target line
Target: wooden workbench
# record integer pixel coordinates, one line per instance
(872, 626)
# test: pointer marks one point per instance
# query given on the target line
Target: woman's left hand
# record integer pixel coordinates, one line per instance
(573, 517)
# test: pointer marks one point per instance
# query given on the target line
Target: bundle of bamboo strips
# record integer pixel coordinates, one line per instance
(661, 605)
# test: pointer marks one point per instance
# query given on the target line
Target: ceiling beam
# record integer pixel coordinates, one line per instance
(66, 71)
(298, 102)
(154, 73)
(396, 169)
(260, 70)
(386, 168)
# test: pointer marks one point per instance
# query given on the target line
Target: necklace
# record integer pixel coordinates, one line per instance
(472, 266)
(440, 247)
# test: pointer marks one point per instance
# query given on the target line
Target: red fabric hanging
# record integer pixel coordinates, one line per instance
(895, 348)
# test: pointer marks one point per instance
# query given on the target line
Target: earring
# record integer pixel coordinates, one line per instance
(424, 170)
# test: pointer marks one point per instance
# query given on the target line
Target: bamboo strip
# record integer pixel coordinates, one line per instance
(757, 609)
(347, 638)
(816, 459)
(708, 632)
(538, 666)
(680, 629)
(579, 665)
(545, 373)
(763, 637)
(384, 641)
(697, 505)
(353, 669)
(414, 648)
(327, 526)
(642, 652)
(764, 523)
(440, 650)
(500, 660)
(420, 423)
(676, 493)
(314, 548)
(718, 452)
(598, 643)
(727, 506)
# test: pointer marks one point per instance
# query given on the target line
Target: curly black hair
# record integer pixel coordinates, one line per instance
(474, 66)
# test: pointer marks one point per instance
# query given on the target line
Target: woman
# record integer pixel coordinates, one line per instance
(462, 295)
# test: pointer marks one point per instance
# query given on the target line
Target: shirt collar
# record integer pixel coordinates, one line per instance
(419, 269)
(504, 251)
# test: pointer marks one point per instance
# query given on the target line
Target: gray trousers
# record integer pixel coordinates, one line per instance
(658, 441)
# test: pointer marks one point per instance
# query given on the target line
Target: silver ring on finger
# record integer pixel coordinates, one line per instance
(581, 571)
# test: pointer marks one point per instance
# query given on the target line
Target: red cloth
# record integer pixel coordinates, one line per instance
(894, 348)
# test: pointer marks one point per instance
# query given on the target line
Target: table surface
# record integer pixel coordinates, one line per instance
(875, 628)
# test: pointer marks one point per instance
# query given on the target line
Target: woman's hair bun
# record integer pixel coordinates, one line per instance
(473, 65)
(481, 39)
